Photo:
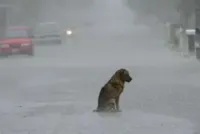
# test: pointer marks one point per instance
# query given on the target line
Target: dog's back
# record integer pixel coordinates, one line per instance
(101, 99)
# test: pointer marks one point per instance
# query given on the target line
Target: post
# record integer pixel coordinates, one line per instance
(197, 47)
(191, 39)
(197, 25)
(183, 42)
(172, 38)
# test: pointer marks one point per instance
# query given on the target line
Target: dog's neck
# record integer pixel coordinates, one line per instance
(113, 78)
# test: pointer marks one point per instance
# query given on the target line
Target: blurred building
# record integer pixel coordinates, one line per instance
(197, 13)
(186, 9)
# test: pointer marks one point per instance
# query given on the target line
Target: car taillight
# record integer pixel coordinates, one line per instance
(4, 46)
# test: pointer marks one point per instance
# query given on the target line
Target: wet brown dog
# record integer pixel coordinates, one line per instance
(110, 93)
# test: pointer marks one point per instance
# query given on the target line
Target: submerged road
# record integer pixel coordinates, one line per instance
(55, 91)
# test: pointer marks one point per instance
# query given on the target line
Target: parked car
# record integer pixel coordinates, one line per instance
(48, 33)
(17, 40)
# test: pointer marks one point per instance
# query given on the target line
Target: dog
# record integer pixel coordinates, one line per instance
(109, 95)
(110, 105)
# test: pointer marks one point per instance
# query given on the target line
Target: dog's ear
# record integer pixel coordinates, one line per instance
(125, 72)
(121, 71)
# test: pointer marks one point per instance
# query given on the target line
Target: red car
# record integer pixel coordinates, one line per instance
(18, 40)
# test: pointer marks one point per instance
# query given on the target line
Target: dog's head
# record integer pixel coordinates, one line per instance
(124, 75)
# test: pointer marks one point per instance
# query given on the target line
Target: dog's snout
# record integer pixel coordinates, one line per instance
(130, 79)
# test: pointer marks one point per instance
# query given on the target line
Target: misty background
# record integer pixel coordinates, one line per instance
(82, 11)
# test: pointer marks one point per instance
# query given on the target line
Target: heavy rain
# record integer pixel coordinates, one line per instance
(55, 56)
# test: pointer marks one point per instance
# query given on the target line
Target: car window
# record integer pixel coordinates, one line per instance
(47, 28)
(16, 33)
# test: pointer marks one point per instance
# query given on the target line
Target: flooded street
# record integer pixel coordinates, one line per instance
(56, 90)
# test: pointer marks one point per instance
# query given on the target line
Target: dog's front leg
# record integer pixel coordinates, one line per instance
(117, 104)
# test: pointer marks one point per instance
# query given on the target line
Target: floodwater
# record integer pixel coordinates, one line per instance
(56, 91)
